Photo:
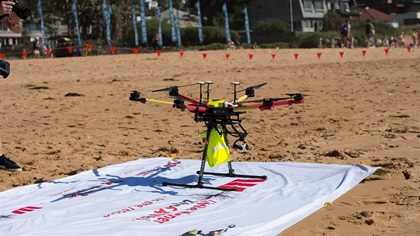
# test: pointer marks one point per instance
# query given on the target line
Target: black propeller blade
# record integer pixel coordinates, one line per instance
(294, 96)
(267, 99)
(170, 88)
(253, 87)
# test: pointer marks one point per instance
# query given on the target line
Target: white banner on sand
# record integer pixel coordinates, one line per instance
(129, 199)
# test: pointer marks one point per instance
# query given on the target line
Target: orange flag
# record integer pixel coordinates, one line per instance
(113, 49)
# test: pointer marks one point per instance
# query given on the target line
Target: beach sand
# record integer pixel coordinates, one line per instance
(59, 117)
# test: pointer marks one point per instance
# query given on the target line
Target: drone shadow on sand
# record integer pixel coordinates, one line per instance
(154, 180)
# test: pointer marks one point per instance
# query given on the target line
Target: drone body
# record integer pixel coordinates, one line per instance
(222, 118)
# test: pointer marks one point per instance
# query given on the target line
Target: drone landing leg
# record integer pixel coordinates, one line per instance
(201, 173)
(231, 172)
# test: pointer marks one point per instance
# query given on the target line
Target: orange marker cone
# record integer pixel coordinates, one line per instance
(89, 47)
(273, 55)
(2, 56)
(250, 56)
(204, 55)
(158, 53)
(227, 55)
(70, 49)
(181, 53)
(319, 55)
(409, 48)
(296, 55)
(386, 51)
(135, 51)
(364, 52)
(341, 54)
(25, 54)
(48, 51)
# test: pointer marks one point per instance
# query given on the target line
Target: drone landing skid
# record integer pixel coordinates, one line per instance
(200, 184)
(232, 175)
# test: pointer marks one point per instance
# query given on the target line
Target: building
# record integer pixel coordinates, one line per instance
(375, 15)
(304, 15)
(407, 12)
(150, 4)
(8, 38)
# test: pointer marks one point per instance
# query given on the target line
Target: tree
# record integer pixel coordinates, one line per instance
(332, 21)
(211, 11)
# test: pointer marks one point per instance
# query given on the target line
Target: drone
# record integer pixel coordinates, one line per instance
(222, 118)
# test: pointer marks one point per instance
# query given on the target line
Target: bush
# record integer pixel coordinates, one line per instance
(332, 21)
(274, 45)
(309, 40)
(266, 27)
(216, 46)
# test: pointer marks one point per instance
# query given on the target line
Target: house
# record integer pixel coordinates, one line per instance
(150, 4)
(304, 15)
(407, 12)
(31, 31)
(8, 38)
(373, 14)
(392, 7)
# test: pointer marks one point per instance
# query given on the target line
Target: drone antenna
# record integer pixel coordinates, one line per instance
(201, 91)
(208, 88)
(234, 89)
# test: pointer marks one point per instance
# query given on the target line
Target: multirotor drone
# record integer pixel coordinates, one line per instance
(222, 118)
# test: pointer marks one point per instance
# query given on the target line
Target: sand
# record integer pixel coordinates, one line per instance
(358, 109)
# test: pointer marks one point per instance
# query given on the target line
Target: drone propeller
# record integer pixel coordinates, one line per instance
(253, 87)
(267, 99)
(295, 96)
(170, 88)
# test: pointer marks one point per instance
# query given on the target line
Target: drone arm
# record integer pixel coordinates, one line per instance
(158, 102)
(263, 107)
(195, 108)
(287, 102)
(241, 99)
(188, 99)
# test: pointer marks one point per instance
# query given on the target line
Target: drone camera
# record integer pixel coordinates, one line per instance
(220, 111)
(241, 147)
